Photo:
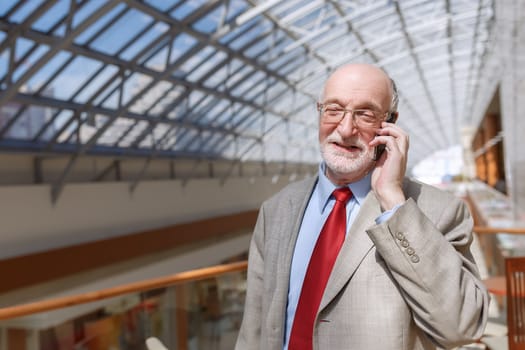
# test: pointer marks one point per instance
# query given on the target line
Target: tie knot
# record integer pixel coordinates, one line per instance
(342, 194)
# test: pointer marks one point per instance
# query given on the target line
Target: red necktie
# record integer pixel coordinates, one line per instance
(321, 262)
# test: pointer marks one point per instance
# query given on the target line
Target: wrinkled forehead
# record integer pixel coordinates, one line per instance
(359, 84)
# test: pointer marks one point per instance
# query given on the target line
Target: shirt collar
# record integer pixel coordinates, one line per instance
(359, 188)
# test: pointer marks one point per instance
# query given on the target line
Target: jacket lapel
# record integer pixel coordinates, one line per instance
(297, 205)
(355, 247)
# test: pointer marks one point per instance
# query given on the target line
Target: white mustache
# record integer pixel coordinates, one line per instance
(336, 138)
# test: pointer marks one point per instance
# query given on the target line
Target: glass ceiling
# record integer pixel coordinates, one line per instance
(232, 79)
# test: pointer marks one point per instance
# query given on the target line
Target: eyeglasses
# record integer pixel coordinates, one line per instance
(363, 118)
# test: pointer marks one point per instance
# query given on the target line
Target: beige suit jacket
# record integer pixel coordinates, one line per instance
(408, 283)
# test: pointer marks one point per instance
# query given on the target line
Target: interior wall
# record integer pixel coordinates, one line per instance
(45, 266)
(88, 212)
(510, 17)
(503, 66)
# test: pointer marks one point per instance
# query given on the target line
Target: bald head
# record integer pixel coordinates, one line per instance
(371, 79)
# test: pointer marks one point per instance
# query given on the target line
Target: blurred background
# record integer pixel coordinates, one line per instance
(139, 137)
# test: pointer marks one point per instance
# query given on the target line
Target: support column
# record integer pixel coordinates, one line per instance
(32, 339)
(3, 338)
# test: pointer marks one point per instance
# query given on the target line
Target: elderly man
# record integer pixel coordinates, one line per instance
(361, 257)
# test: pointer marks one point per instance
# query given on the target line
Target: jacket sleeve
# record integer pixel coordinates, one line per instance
(431, 262)
(250, 331)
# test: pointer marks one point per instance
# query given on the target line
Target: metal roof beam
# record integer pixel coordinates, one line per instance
(58, 45)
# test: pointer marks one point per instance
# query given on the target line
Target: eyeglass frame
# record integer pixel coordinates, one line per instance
(355, 120)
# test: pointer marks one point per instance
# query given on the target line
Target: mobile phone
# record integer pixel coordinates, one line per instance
(378, 151)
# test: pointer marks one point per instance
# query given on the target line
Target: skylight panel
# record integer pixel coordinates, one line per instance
(162, 5)
(114, 131)
(208, 64)
(186, 8)
(146, 38)
(96, 84)
(209, 23)
(147, 101)
(65, 84)
(119, 33)
(89, 33)
(51, 17)
(24, 11)
(135, 129)
(31, 52)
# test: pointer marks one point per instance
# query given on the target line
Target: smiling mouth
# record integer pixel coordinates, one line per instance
(348, 148)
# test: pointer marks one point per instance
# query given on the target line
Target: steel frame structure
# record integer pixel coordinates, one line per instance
(233, 80)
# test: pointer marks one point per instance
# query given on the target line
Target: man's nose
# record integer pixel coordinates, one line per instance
(347, 125)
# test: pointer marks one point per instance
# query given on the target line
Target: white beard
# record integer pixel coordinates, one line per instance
(346, 163)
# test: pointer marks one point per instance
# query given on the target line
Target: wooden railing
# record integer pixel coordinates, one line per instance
(161, 282)
(492, 230)
(155, 283)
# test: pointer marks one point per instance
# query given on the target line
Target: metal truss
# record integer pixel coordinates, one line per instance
(229, 80)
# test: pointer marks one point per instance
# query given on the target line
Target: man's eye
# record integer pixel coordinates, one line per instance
(333, 111)
(364, 113)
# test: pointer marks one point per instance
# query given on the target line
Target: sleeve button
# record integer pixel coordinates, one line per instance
(414, 258)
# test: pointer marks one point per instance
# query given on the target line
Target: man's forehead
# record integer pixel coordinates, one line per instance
(355, 68)
(345, 87)
(362, 75)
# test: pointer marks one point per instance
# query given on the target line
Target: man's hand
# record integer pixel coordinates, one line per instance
(387, 177)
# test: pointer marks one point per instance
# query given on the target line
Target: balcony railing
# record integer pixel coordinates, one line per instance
(199, 309)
